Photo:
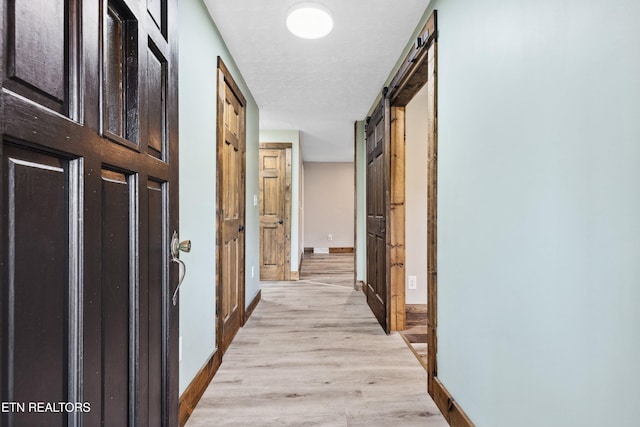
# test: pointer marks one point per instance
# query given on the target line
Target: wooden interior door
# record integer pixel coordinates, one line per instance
(231, 203)
(376, 288)
(274, 210)
(88, 197)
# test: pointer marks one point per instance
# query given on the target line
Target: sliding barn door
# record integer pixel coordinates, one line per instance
(376, 288)
(88, 199)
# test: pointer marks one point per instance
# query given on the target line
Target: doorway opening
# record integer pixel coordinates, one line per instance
(418, 70)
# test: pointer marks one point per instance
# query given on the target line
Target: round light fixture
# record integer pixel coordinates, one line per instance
(309, 20)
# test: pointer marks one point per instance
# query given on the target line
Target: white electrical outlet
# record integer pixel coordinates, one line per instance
(412, 282)
(330, 237)
(253, 272)
(180, 349)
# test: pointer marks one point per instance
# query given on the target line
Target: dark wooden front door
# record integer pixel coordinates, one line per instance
(231, 206)
(376, 288)
(88, 200)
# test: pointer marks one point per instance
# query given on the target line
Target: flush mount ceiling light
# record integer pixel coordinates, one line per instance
(309, 20)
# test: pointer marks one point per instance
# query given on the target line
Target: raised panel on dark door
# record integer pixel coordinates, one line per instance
(156, 102)
(121, 70)
(38, 61)
(88, 133)
(158, 11)
(37, 195)
(117, 289)
(152, 301)
(376, 288)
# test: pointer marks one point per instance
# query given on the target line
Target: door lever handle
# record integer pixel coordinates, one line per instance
(181, 274)
(176, 247)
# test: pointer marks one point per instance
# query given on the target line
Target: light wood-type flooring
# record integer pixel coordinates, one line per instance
(313, 354)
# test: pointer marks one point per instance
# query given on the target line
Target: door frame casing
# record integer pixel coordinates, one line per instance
(224, 77)
(410, 78)
(394, 134)
(288, 147)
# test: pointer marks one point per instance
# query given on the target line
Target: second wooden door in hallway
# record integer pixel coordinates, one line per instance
(275, 211)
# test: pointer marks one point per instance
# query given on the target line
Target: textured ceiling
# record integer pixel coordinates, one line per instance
(319, 87)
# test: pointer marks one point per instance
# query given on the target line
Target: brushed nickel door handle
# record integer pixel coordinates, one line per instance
(176, 247)
(181, 274)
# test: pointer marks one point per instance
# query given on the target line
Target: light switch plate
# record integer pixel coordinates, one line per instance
(255, 200)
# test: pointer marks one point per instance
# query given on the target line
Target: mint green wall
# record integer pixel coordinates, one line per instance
(297, 171)
(361, 214)
(200, 45)
(539, 211)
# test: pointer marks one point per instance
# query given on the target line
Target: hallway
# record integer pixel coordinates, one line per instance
(312, 354)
